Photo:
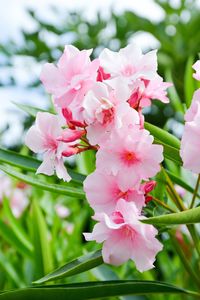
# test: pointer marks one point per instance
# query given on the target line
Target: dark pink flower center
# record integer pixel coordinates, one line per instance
(117, 217)
(50, 143)
(108, 115)
(129, 158)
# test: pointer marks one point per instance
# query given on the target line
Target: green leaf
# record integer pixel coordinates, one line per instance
(95, 290)
(180, 182)
(31, 110)
(42, 248)
(8, 235)
(189, 216)
(86, 162)
(173, 95)
(15, 226)
(77, 266)
(11, 273)
(169, 142)
(189, 83)
(31, 164)
(35, 181)
(170, 152)
(162, 135)
(160, 188)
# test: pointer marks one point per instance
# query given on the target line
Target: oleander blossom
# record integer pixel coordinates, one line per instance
(130, 153)
(43, 138)
(103, 191)
(106, 109)
(144, 91)
(73, 76)
(124, 237)
(129, 64)
(190, 142)
(17, 195)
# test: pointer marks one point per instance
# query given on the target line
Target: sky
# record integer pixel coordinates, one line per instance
(13, 18)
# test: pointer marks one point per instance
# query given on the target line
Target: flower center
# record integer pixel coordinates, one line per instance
(117, 217)
(108, 115)
(128, 71)
(129, 158)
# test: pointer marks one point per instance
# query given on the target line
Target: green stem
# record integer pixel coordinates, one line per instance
(176, 198)
(195, 192)
(195, 238)
(184, 260)
(179, 203)
(163, 204)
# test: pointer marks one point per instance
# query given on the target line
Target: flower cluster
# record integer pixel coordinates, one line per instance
(190, 143)
(99, 106)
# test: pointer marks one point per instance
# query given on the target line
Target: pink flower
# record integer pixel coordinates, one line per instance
(129, 64)
(196, 67)
(190, 143)
(17, 197)
(194, 107)
(146, 90)
(62, 211)
(5, 187)
(129, 153)
(18, 202)
(104, 110)
(103, 191)
(124, 237)
(73, 76)
(42, 138)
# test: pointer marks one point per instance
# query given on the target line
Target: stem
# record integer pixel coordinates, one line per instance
(195, 238)
(184, 260)
(179, 203)
(163, 204)
(176, 198)
(195, 192)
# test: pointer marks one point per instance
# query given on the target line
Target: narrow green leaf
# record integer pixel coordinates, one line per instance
(77, 266)
(15, 225)
(162, 135)
(95, 290)
(160, 188)
(31, 164)
(180, 182)
(11, 273)
(11, 238)
(189, 82)
(189, 216)
(41, 242)
(173, 95)
(31, 110)
(170, 152)
(35, 181)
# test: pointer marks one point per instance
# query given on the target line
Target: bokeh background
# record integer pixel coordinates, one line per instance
(33, 32)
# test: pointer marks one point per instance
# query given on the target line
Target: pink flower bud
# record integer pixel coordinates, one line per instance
(149, 186)
(69, 135)
(101, 75)
(148, 199)
(70, 151)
